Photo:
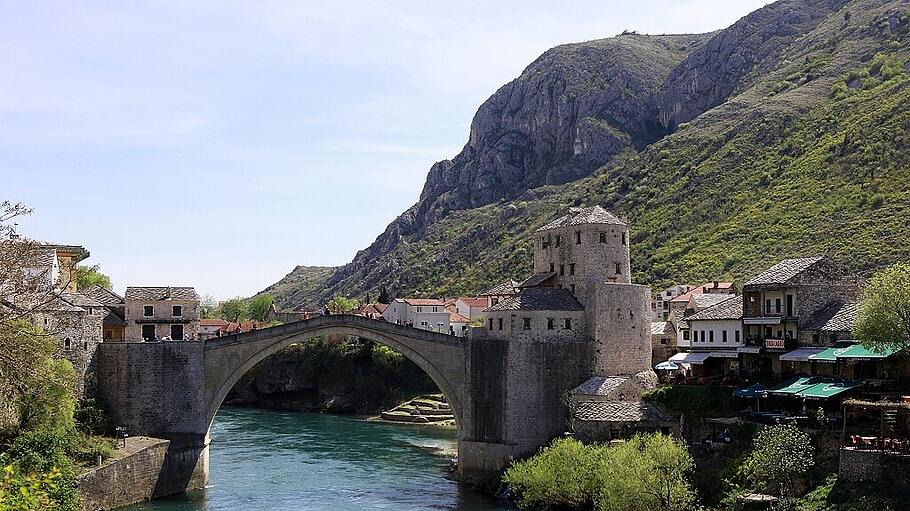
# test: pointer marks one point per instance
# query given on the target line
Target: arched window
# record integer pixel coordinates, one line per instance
(67, 343)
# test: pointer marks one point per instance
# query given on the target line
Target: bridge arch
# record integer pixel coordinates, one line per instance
(440, 356)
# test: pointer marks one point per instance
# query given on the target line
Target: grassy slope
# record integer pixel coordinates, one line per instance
(297, 288)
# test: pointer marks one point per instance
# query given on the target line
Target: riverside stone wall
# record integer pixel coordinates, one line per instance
(151, 472)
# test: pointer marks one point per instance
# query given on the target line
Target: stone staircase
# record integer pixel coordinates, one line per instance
(427, 409)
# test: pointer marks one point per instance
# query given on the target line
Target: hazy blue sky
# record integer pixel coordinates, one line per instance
(219, 144)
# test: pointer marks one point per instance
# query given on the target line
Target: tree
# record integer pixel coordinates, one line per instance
(234, 310)
(646, 473)
(781, 455)
(208, 307)
(87, 276)
(383, 295)
(341, 304)
(260, 306)
(883, 321)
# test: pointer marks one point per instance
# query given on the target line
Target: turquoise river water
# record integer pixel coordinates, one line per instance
(277, 461)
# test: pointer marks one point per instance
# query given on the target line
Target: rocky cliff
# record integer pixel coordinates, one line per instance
(668, 130)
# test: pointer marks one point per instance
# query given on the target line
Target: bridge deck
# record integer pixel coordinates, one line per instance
(336, 321)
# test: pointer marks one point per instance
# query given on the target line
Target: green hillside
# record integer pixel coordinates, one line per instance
(808, 156)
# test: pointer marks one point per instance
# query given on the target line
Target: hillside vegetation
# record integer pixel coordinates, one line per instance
(794, 143)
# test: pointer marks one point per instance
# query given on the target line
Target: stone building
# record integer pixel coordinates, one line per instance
(75, 320)
(580, 297)
(500, 292)
(157, 313)
(663, 341)
(788, 305)
(115, 318)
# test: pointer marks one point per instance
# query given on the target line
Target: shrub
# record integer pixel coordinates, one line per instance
(562, 474)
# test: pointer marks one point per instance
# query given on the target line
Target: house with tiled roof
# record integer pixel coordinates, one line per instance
(468, 306)
(424, 313)
(154, 313)
(786, 307)
(115, 317)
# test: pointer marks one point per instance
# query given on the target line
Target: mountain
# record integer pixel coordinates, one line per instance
(784, 134)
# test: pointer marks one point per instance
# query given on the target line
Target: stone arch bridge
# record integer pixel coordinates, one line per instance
(506, 395)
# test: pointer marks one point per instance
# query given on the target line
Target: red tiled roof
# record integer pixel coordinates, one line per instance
(455, 317)
(474, 302)
(704, 288)
(424, 301)
(212, 322)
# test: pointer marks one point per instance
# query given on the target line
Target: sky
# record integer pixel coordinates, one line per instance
(218, 144)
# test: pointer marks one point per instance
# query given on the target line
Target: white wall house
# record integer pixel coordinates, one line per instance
(424, 313)
(467, 306)
(717, 328)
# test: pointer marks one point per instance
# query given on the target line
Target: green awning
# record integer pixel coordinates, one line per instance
(828, 389)
(793, 385)
(829, 355)
(860, 352)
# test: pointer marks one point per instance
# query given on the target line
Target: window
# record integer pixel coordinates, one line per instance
(550, 324)
(85, 345)
(527, 323)
(491, 323)
(148, 311)
(568, 324)
(418, 309)
(552, 267)
(768, 305)
(562, 270)
(777, 308)
(702, 336)
(176, 332)
(723, 336)
(494, 300)
(768, 332)
(571, 268)
(624, 238)
(711, 336)
(685, 335)
(558, 240)
(67, 343)
(177, 311)
(617, 268)
(499, 321)
(578, 237)
(544, 242)
(603, 237)
(434, 309)
(148, 332)
(736, 335)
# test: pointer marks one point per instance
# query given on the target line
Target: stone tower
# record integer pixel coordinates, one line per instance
(587, 252)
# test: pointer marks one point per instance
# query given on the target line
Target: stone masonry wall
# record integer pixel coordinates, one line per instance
(158, 470)
(622, 332)
(130, 377)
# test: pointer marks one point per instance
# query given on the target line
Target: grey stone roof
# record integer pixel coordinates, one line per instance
(540, 299)
(662, 328)
(154, 294)
(113, 319)
(103, 295)
(536, 279)
(705, 300)
(731, 308)
(80, 300)
(600, 385)
(839, 317)
(509, 287)
(582, 216)
(784, 271)
(620, 411)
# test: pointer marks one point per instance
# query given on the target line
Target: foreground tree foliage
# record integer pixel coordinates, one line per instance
(234, 310)
(883, 321)
(647, 473)
(782, 455)
(341, 304)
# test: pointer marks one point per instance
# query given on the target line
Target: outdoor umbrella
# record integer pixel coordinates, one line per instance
(666, 366)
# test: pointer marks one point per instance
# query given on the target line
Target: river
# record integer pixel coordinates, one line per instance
(278, 461)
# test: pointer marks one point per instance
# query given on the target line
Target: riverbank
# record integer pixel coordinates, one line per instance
(131, 475)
